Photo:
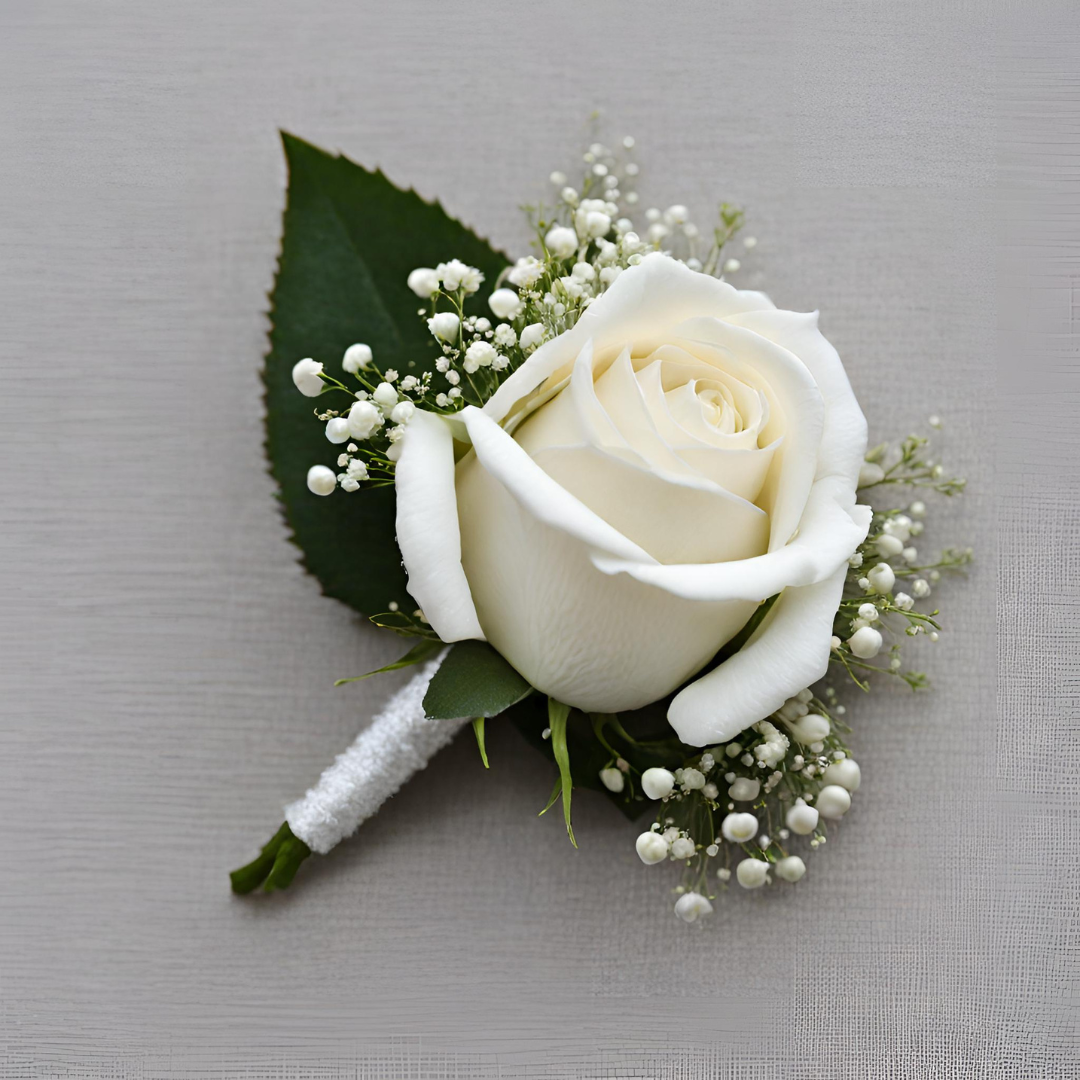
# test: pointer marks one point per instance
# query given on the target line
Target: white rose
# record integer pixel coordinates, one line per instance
(634, 491)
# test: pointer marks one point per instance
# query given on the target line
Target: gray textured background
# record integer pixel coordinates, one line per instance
(166, 668)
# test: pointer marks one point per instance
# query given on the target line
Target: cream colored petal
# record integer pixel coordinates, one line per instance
(541, 496)
(843, 443)
(427, 528)
(828, 534)
(595, 642)
(675, 521)
(789, 651)
(797, 412)
(643, 303)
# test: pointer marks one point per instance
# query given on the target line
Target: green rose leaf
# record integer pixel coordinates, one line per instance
(473, 680)
(350, 239)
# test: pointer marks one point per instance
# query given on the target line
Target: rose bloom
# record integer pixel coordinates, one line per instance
(619, 508)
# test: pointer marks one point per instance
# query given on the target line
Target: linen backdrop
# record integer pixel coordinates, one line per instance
(166, 667)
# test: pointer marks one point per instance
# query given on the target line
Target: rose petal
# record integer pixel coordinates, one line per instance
(788, 651)
(641, 305)
(427, 529)
(828, 535)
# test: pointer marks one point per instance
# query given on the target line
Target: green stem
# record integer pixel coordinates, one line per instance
(276, 865)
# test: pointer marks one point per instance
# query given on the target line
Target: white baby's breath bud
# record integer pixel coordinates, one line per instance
(561, 242)
(676, 215)
(442, 401)
(505, 335)
(790, 869)
(810, 728)
(657, 232)
(612, 779)
(917, 509)
(364, 419)
(683, 848)
(357, 469)
(482, 353)
(357, 358)
(710, 791)
(456, 275)
(385, 396)
(731, 266)
(569, 196)
(532, 335)
(337, 429)
(739, 828)
(609, 274)
(350, 484)
(870, 473)
(882, 578)
(868, 612)
(844, 772)
(801, 819)
(444, 326)
(657, 783)
(744, 789)
(865, 643)
(583, 271)
(597, 224)
(921, 588)
(752, 873)
(833, 802)
(453, 378)
(505, 303)
(526, 273)
(888, 546)
(910, 554)
(693, 779)
(903, 601)
(691, 906)
(835, 643)
(651, 848)
(305, 376)
(321, 480)
(424, 282)
(403, 412)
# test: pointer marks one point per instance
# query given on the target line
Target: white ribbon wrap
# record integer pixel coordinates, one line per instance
(400, 742)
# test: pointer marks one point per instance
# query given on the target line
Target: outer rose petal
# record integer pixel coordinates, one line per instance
(600, 643)
(427, 528)
(789, 651)
(844, 441)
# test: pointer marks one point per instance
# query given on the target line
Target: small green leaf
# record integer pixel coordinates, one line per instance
(473, 680)
(420, 652)
(556, 791)
(557, 715)
(478, 731)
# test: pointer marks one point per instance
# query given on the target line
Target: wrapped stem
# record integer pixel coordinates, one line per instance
(400, 742)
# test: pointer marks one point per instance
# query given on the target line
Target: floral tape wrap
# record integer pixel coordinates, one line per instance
(400, 742)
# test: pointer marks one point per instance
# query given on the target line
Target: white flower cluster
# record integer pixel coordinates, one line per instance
(747, 799)
(376, 417)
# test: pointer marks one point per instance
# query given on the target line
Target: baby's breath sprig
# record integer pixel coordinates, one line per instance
(746, 807)
(874, 614)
